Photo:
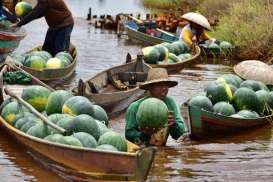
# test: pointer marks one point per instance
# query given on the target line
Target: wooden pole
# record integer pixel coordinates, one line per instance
(10, 64)
(4, 68)
(34, 111)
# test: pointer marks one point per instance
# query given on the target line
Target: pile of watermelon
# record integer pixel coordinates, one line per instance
(85, 123)
(166, 53)
(217, 47)
(232, 96)
(40, 60)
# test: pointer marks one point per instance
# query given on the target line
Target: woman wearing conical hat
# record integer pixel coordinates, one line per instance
(195, 31)
(157, 85)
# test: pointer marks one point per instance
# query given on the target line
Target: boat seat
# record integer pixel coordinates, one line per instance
(132, 77)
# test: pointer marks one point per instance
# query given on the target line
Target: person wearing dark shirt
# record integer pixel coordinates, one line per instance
(59, 20)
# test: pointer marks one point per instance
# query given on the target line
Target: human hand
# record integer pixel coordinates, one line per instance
(170, 119)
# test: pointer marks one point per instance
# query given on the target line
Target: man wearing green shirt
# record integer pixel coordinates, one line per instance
(157, 85)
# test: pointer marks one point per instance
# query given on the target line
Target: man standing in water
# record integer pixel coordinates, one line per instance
(157, 85)
(59, 20)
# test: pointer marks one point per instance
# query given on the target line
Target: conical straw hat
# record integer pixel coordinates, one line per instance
(198, 19)
(255, 70)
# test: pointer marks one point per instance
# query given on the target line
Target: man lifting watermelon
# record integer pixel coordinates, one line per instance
(151, 119)
(58, 18)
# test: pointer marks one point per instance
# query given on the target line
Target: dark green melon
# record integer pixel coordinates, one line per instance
(66, 55)
(231, 80)
(163, 52)
(20, 122)
(232, 88)
(54, 137)
(56, 101)
(151, 55)
(176, 47)
(87, 124)
(6, 102)
(100, 114)
(69, 140)
(35, 62)
(66, 123)
(169, 47)
(54, 118)
(245, 99)
(184, 56)
(39, 130)
(107, 147)
(201, 102)
(180, 47)
(248, 114)
(21, 115)
(270, 100)
(25, 127)
(225, 45)
(174, 58)
(224, 108)
(78, 105)
(214, 48)
(115, 139)
(37, 96)
(254, 85)
(219, 91)
(152, 113)
(86, 139)
(102, 127)
(263, 97)
(10, 111)
(43, 54)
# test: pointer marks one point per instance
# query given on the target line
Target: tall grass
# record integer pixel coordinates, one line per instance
(249, 26)
(184, 5)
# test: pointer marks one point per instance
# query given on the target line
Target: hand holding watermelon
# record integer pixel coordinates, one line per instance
(170, 119)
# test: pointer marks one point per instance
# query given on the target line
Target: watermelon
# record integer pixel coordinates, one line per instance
(248, 114)
(115, 139)
(224, 108)
(66, 123)
(263, 97)
(169, 61)
(55, 63)
(102, 128)
(174, 58)
(70, 140)
(163, 52)
(26, 126)
(54, 137)
(6, 102)
(254, 85)
(78, 105)
(10, 111)
(152, 113)
(86, 139)
(22, 121)
(21, 115)
(237, 116)
(100, 114)
(54, 118)
(37, 96)
(151, 55)
(214, 48)
(43, 54)
(107, 147)
(219, 91)
(39, 130)
(56, 101)
(201, 102)
(245, 99)
(232, 88)
(169, 47)
(230, 79)
(85, 123)
(35, 62)
(67, 55)
(180, 47)
(270, 100)
(184, 56)
(225, 45)
(22, 9)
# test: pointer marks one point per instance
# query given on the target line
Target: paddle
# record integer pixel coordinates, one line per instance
(140, 21)
(34, 111)
(9, 63)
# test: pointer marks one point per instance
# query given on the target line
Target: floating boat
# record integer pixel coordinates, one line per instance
(177, 67)
(104, 89)
(133, 165)
(47, 74)
(205, 124)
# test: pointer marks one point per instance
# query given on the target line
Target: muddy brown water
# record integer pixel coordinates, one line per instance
(247, 156)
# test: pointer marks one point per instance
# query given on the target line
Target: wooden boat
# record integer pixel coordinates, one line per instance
(102, 89)
(162, 36)
(204, 124)
(133, 165)
(54, 74)
(177, 67)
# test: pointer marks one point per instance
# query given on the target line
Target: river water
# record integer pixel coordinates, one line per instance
(247, 156)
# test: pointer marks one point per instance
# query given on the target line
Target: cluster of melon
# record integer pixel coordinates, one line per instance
(223, 47)
(232, 96)
(85, 123)
(40, 60)
(166, 53)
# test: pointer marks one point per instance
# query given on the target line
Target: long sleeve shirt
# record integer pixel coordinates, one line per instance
(56, 13)
(132, 131)
(188, 34)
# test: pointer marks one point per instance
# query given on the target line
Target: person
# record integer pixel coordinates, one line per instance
(157, 85)
(195, 31)
(59, 20)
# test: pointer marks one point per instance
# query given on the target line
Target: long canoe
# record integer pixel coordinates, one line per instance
(101, 88)
(177, 67)
(54, 74)
(207, 124)
(133, 165)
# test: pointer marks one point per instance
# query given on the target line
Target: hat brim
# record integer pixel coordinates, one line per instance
(197, 19)
(148, 84)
